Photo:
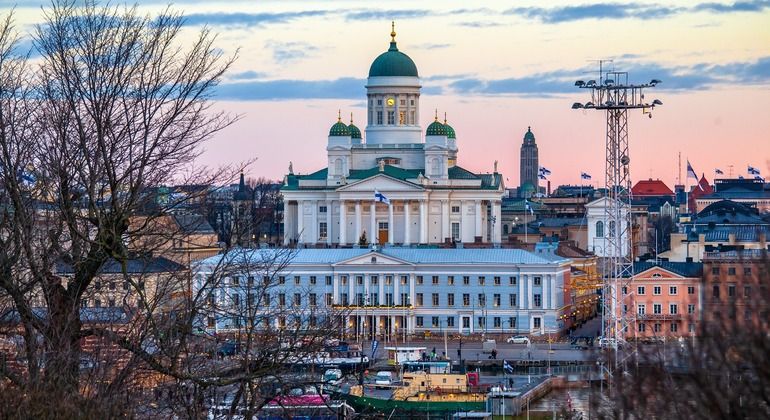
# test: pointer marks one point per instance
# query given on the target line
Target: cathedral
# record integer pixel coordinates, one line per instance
(394, 183)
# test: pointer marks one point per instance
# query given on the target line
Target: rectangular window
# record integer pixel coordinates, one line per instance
(379, 117)
(674, 327)
(730, 271)
(640, 290)
(672, 290)
(404, 280)
(656, 290)
(538, 299)
(359, 299)
(641, 327)
(374, 299)
(282, 299)
(374, 280)
(691, 327)
(391, 117)
(343, 280)
(657, 308)
(482, 299)
(673, 309)
(496, 323)
(322, 209)
(466, 280)
(450, 299)
(389, 299)
(690, 290)
(434, 322)
(345, 301)
(450, 280)
(466, 299)
(512, 300)
(715, 271)
(715, 291)
(313, 280)
(403, 102)
(466, 322)
(536, 321)
(212, 322)
(388, 280)
(640, 309)
(512, 281)
(313, 299)
(656, 327)
(297, 299)
(296, 280)
(379, 101)
(435, 299)
(404, 299)
(731, 290)
(419, 321)
(746, 291)
(419, 279)
(450, 321)
(496, 300)
(434, 279)
(691, 309)
(497, 281)
(360, 280)
(418, 298)
(538, 281)
(512, 322)
(482, 321)
(746, 271)
(481, 280)
(328, 280)
(625, 290)
(455, 231)
(329, 299)
(455, 209)
(322, 230)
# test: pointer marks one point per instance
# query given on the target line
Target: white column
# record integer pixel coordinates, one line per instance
(336, 289)
(313, 231)
(396, 293)
(477, 224)
(407, 223)
(390, 224)
(553, 286)
(301, 221)
(411, 289)
(530, 286)
(343, 222)
(329, 207)
(520, 292)
(444, 220)
(358, 222)
(288, 223)
(423, 222)
(374, 234)
(498, 225)
(546, 293)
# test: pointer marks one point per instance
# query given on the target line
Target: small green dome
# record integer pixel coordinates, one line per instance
(450, 132)
(339, 129)
(354, 131)
(528, 136)
(436, 129)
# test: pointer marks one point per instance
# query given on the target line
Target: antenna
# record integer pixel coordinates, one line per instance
(614, 95)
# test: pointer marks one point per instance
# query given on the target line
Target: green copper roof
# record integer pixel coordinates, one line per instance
(436, 129)
(393, 63)
(339, 129)
(450, 132)
(354, 131)
(528, 136)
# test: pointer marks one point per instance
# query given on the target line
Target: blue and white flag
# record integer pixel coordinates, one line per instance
(753, 171)
(584, 175)
(378, 196)
(527, 207)
(507, 367)
(718, 171)
(541, 176)
(544, 171)
(691, 172)
(759, 178)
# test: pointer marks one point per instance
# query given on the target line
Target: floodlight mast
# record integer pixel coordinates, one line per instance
(615, 96)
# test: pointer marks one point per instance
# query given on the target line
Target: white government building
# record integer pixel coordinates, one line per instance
(432, 200)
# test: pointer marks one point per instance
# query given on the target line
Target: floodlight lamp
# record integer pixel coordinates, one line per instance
(654, 82)
(657, 102)
(589, 105)
(577, 105)
(580, 83)
(609, 103)
(591, 83)
(609, 82)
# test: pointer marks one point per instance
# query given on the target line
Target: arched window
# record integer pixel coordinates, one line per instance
(599, 229)
(505, 229)
(612, 228)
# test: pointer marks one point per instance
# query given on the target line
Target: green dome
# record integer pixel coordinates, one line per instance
(393, 63)
(354, 131)
(528, 136)
(436, 129)
(339, 129)
(450, 132)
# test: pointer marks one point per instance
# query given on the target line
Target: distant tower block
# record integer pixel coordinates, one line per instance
(528, 170)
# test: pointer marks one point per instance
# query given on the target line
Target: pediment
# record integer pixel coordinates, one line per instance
(380, 182)
(372, 258)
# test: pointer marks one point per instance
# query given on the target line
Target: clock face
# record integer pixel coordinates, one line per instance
(391, 101)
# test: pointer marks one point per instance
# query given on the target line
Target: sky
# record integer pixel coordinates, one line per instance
(495, 68)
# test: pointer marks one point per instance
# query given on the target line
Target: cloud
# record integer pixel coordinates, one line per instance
(372, 14)
(479, 24)
(696, 77)
(431, 46)
(248, 19)
(594, 11)
(261, 90)
(288, 51)
(738, 6)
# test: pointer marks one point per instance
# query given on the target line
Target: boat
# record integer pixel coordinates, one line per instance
(421, 392)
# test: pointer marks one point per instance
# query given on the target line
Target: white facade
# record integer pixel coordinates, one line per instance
(601, 231)
(432, 200)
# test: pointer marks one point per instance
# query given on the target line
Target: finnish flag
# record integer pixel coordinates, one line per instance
(718, 171)
(378, 196)
(527, 207)
(753, 171)
(544, 171)
(507, 367)
(584, 175)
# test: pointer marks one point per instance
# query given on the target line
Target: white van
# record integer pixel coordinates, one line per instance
(383, 379)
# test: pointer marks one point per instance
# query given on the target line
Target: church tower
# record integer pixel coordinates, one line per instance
(529, 166)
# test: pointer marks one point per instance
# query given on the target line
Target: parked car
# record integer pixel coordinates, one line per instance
(488, 346)
(383, 379)
(517, 339)
(608, 342)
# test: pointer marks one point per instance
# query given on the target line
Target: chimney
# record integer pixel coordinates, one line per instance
(549, 187)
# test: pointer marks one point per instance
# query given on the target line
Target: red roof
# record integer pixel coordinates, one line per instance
(650, 188)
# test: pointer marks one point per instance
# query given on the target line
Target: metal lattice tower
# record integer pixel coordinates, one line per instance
(615, 96)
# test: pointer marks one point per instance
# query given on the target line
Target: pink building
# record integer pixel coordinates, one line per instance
(665, 298)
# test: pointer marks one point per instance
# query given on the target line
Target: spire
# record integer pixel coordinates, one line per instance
(339, 115)
(445, 118)
(436, 116)
(351, 118)
(392, 31)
